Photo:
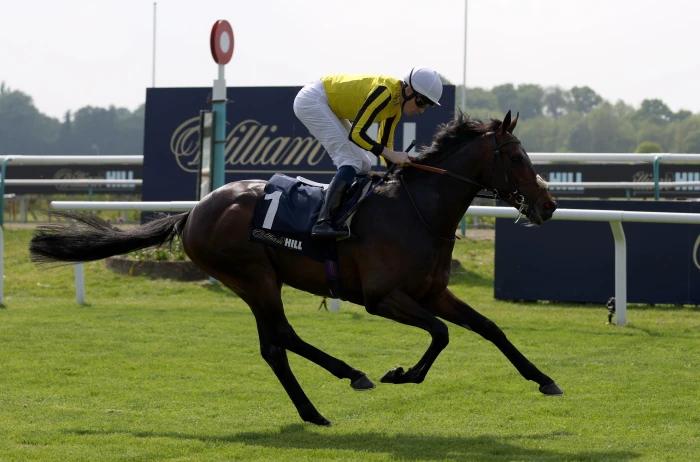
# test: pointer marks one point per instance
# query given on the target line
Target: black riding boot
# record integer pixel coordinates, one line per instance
(334, 196)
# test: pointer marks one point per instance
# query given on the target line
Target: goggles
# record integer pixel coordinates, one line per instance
(422, 101)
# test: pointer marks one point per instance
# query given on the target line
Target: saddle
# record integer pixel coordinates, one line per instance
(284, 216)
(286, 213)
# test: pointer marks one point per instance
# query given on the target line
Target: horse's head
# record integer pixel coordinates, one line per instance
(513, 177)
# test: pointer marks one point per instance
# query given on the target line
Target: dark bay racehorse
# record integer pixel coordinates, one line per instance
(397, 265)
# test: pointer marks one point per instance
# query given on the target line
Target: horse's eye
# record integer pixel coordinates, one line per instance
(516, 159)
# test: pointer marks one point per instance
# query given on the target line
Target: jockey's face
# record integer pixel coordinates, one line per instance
(411, 107)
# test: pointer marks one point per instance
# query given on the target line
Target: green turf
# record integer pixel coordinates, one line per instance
(162, 370)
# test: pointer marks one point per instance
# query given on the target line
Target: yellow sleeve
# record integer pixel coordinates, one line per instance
(387, 128)
(375, 102)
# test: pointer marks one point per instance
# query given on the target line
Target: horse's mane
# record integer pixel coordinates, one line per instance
(459, 130)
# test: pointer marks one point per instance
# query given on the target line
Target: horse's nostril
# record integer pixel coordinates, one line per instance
(550, 206)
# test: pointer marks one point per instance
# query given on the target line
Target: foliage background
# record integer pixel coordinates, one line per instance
(558, 120)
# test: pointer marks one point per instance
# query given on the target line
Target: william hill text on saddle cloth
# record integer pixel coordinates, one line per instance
(339, 109)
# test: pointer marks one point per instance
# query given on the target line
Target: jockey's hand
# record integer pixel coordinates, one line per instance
(397, 157)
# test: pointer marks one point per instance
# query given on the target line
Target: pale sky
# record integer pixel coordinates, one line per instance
(68, 54)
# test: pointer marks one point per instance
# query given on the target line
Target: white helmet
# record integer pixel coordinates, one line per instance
(427, 82)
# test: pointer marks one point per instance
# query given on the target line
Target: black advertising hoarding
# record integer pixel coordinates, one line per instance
(263, 137)
(573, 261)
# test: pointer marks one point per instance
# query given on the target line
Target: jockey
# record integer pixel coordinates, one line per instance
(338, 110)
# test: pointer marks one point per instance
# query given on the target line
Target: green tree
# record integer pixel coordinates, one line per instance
(529, 102)
(655, 110)
(23, 129)
(556, 101)
(130, 126)
(580, 138)
(539, 134)
(648, 147)
(478, 98)
(692, 142)
(610, 133)
(506, 96)
(659, 134)
(584, 99)
(108, 131)
(681, 115)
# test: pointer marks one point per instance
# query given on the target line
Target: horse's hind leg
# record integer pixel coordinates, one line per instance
(277, 335)
(450, 308)
(358, 379)
(276, 356)
(287, 338)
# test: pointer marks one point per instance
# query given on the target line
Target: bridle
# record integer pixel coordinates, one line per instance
(514, 197)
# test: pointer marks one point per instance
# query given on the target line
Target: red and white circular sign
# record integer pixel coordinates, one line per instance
(221, 41)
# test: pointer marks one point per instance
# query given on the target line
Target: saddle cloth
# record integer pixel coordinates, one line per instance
(286, 213)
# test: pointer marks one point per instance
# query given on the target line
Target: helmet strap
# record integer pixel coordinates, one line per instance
(406, 97)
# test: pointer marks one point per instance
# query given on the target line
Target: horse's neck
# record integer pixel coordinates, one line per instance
(442, 200)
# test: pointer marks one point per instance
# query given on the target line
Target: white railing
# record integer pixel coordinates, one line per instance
(614, 217)
(612, 158)
(558, 185)
(537, 158)
(164, 206)
(24, 160)
(72, 182)
(72, 160)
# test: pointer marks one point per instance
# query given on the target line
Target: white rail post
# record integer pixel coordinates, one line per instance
(79, 271)
(620, 273)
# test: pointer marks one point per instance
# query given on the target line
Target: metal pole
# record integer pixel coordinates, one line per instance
(463, 103)
(620, 273)
(218, 174)
(153, 72)
(463, 93)
(656, 170)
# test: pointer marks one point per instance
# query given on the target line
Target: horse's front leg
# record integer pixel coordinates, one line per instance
(400, 307)
(450, 308)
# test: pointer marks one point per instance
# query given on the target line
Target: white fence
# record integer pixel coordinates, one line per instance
(72, 160)
(614, 217)
(612, 158)
(22, 160)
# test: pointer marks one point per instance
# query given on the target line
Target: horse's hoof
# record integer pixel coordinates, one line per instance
(319, 420)
(551, 389)
(393, 376)
(362, 383)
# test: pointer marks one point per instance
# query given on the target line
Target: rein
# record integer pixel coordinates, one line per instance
(420, 215)
(515, 195)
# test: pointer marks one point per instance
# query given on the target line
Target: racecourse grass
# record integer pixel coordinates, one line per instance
(163, 370)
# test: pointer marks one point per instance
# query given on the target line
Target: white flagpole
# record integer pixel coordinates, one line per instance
(464, 60)
(153, 72)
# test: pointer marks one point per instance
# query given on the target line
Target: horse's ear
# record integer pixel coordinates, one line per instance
(513, 123)
(505, 125)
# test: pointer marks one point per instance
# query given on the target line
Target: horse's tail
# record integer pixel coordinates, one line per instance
(89, 238)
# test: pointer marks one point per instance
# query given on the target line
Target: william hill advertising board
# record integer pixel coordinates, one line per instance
(263, 137)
